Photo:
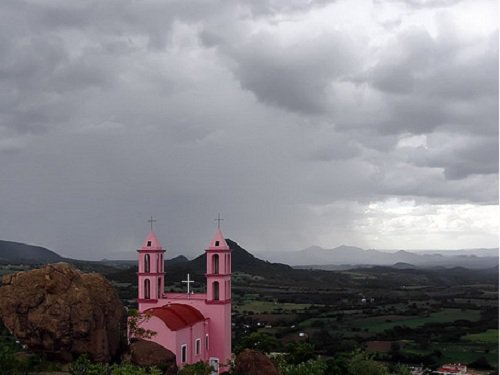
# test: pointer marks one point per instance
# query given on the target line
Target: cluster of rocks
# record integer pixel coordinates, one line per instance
(62, 312)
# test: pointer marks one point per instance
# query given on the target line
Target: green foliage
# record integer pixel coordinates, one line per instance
(198, 368)
(400, 369)
(336, 366)
(359, 364)
(262, 342)
(128, 369)
(362, 364)
(9, 364)
(83, 366)
(300, 351)
(310, 367)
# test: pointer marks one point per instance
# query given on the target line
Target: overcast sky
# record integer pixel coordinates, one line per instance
(367, 123)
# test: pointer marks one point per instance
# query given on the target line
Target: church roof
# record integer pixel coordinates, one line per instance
(218, 242)
(177, 316)
(151, 242)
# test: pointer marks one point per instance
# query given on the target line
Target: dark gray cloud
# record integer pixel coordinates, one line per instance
(289, 122)
(296, 75)
(459, 156)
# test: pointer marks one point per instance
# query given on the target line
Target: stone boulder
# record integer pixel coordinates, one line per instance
(63, 312)
(251, 362)
(148, 353)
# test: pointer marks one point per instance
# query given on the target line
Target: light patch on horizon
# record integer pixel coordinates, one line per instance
(385, 224)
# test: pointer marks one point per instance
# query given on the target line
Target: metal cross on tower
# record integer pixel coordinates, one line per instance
(188, 281)
(151, 221)
(218, 220)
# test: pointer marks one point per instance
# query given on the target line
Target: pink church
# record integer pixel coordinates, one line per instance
(196, 327)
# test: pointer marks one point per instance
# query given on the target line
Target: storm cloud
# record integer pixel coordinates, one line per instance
(301, 122)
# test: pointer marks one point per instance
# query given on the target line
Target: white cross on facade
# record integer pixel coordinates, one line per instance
(188, 281)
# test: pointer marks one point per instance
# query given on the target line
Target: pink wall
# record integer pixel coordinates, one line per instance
(219, 316)
(173, 340)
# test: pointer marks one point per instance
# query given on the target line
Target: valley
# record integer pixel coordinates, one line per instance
(400, 315)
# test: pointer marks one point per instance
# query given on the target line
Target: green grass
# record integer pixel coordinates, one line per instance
(464, 352)
(260, 307)
(487, 337)
(376, 324)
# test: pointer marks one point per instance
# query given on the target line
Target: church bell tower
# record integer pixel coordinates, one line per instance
(218, 270)
(151, 273)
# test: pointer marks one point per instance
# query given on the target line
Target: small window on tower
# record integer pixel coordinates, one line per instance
(149, 243)
(216, 243)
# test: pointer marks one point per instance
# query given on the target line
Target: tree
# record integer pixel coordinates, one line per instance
(310, 367)
(400, 369)
(362, 364)
(300, 351)
(337, 366)
(262, 342)
(135, 319)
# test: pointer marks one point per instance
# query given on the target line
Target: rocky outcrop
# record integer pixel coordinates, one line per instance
(250, 362)
(148, 353)
(63, 312)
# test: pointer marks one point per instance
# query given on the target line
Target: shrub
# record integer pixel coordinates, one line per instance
(83, 366)
(199, 368)
(310, 367)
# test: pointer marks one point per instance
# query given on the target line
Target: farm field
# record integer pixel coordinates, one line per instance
(262, 307)
(382, 323)
(463, 352)
(488, 337)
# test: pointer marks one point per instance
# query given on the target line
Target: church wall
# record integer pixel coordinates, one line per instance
(164, 336)
(173, 340)
(219, 330)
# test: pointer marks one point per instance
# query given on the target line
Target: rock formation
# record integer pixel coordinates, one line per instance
(63, 312)
(251, 362)
(147, 353)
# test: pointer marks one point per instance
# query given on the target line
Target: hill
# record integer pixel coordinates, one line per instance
(242, 261)
(252, 272)
(16, 253)
(341, 257)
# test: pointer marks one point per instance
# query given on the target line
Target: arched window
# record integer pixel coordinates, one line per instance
(216, 290)
(215, 263)
(147, 288)
(157, 263)
(159, 288)
(146, 263)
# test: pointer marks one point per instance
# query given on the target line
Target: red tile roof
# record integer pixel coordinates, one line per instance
(177, 316)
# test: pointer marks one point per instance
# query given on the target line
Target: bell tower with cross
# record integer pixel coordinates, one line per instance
(151, 273)
(218, 268)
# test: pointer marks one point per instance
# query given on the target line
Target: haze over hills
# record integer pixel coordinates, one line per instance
(320, 258)
(314, 257)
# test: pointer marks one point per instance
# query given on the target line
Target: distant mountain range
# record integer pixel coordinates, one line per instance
(314, 257)
(343, 257)
(249, 270)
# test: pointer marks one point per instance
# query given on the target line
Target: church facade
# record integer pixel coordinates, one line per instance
(194, 326)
